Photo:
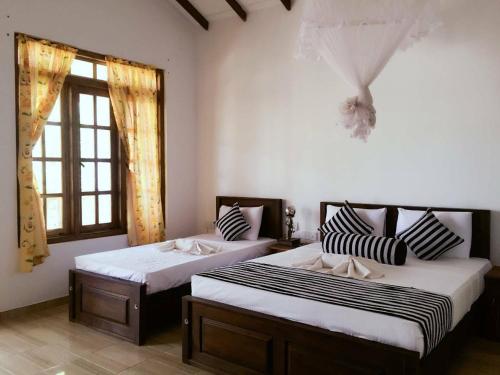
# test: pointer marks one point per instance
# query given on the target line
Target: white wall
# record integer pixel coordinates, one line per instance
(267, 122)
(148, 31)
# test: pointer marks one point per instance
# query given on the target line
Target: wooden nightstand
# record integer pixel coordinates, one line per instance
(491, 322)
(279, 248)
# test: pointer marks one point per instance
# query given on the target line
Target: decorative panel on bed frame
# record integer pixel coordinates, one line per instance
(233, 340)
(122, 307)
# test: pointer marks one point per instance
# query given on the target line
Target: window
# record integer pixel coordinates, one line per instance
(48, 169)
(77, 162)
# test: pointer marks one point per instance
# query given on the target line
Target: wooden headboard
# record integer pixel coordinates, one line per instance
(272, 216)
(480, 247)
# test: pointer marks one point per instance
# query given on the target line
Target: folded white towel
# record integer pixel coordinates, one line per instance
(193, 247)
(343, 265)
(166, 246)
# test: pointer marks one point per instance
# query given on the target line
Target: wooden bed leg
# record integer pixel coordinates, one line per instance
(186, 329)
(71, 291)
(142, 307)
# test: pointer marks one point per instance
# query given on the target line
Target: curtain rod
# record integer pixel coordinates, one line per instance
(88, 54)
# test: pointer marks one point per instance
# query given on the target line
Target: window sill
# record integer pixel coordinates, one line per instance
(85, 236)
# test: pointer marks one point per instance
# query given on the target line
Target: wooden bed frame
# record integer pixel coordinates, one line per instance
(233, 340)
(122, 308)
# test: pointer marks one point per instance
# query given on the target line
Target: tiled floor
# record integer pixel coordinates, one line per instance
(45, 342)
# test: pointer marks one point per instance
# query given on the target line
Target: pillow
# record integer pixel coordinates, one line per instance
(374, 216)
(252, 215)
(232, 224)
(428, 238)
(382, 249)
(346, 220)
(458, 222)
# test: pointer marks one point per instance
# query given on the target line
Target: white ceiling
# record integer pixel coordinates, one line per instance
(216, 9)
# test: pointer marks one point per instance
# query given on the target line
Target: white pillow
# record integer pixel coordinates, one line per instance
(252, 215)
(458, 222)
(375, 217)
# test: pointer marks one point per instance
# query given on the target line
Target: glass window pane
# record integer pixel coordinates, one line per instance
(87, 176)
(86, 109)
(102, 110)
(53, 178)
(37, 149)
(104, 208)
(54, 213)
(102, 72)
(82, 68)
(86, 143)
(103, 176)
(88, 210)
(52, 141)
(38, 173)
(104, 144)
(55, 115)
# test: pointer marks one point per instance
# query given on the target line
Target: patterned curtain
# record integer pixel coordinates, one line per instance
(133, 92)
(43, 66)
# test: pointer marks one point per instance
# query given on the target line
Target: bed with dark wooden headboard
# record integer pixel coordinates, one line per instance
(480, 247)
(272, 215)
(124, 309)
(235, 340)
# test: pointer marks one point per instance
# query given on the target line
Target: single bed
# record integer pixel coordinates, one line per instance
(290, 335)
(162, 270)
(131, 291)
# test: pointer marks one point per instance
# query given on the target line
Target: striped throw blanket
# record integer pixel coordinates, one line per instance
(431, 311)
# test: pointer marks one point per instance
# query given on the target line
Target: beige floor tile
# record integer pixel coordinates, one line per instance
(125, 353)
(170, 348)
(16, 342)
(67, 369)
(89, 335)
(77, 367)
(154, 367)
(107, 363)
(74, 342)
(33, 342)
(17, 364)
(54, 311)
(175, 363)
(49, 356)
(168, 342)
(22, 322)
(62, 325)
(90, 367)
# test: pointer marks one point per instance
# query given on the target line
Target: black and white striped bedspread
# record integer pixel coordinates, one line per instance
(432, 312)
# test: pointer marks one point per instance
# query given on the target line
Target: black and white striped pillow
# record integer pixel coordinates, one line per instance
(232, 224)
(382, 249)
(428, 238)
(346, 220)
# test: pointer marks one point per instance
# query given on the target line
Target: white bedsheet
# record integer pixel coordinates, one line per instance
(165, 270)
(461, 279)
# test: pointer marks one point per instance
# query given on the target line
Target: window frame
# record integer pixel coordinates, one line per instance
(72, 229)
(64, 158)
(118, 182)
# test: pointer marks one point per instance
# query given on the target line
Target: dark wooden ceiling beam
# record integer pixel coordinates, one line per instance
(238, 9)
(193, 12)
(287, 4)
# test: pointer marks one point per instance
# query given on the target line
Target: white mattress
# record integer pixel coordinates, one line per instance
(165, 270)
(460, 279)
